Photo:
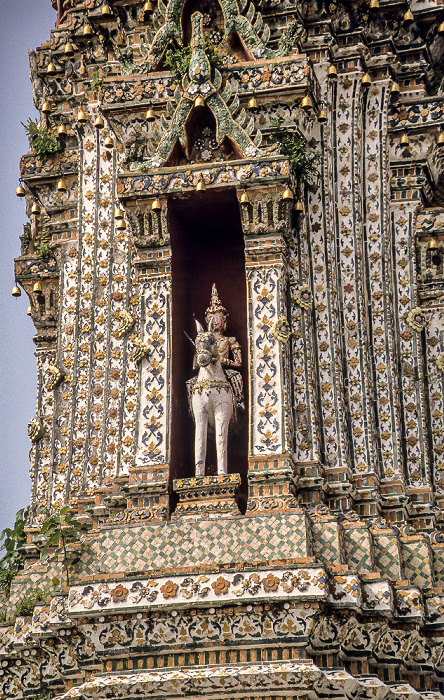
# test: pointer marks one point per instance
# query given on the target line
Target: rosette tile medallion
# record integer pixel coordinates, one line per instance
(282, 161)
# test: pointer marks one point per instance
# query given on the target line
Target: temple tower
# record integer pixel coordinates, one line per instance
(274, 172)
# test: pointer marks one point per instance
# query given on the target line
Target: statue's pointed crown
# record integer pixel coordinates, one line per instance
(215, 306)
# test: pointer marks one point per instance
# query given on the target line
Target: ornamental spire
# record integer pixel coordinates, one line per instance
(215, 306)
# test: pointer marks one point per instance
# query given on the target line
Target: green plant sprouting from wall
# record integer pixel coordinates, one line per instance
(42, 141)
(26, 604)
(96, 82)
(295, 147)
(60, 529)
(44, 250)
(11, 541)
(177, 59)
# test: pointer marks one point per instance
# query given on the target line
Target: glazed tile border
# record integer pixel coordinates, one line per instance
(271, 584)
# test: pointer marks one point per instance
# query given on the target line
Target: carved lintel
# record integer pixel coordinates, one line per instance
(149, 227)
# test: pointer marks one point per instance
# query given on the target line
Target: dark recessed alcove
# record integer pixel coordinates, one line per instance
(207, 246)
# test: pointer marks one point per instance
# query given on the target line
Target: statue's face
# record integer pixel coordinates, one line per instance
(217, 323)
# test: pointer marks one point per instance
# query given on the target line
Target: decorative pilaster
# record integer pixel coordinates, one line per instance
(410, 339)
(347, 149)
(150, 471)
(270, 446)
(334, 435)
(379, 274)
(307, 438)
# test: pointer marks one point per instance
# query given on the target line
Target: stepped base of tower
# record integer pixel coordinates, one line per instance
(302, 604)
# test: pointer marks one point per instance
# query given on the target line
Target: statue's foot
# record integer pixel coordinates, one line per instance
(200, 469)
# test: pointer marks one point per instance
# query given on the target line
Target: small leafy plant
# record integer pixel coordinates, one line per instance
(25, 606)
(44, 250)
(59, 529)
(42, 141)
(11, 540)
(178, 60)
(96, 82)
(295, 147)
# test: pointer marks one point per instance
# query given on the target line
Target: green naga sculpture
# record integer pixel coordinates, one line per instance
(239, 16)
(231, 121)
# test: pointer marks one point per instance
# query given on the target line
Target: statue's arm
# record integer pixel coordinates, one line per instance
(236, 362)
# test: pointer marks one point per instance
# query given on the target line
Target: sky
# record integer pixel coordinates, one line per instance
(24, 24)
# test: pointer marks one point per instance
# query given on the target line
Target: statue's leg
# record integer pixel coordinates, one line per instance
(200, 439)
(223, 411)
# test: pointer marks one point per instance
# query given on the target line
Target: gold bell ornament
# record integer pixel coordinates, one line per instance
(441, 29)
(201, 187)
(35, 209)
(87, 31)
(82, 116)
(374, 5)
(16, 291)
(287, 195)
(108, 143)
(322, 116)
(299, 207)
(121, 224)
(366, 80)
(433, 244)
(252, 103)
(244, 199)
(332, 72)
(147, 10)
(199, 101)
(156, 205)
(37, 288)
(106, 12)
(99, 123)
(51, 69)
(62, 186)
(118, 213)
(408, 17)
(440, 139)
(306, 103)
(394, 91)
(46, 107)
(404, 140)
(150, 115)
(29, 311)
(20, 191)
(68, 50)
(62, 130)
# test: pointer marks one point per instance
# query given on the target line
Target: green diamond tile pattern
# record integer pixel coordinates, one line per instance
(325, 542)
(357, 548)
(176, 544)
(386, 555)
(417, 567)
(438, 564)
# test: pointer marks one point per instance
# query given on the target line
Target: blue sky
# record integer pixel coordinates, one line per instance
(24, 24)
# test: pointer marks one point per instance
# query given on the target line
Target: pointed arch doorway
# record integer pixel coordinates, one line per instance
(207, 245)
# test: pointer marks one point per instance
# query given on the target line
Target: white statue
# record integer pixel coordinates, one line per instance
(215, 393)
